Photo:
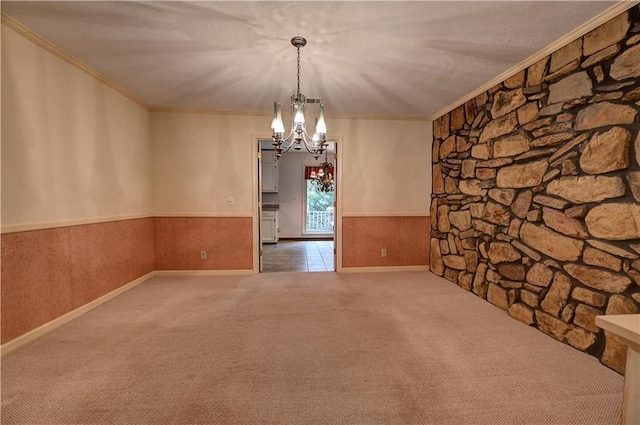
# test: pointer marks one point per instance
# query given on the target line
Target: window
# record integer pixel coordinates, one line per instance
(319, 214)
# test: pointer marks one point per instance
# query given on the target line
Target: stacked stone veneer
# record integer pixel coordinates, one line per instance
(536, 190)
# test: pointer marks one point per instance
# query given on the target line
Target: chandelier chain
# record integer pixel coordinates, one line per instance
(298, 72)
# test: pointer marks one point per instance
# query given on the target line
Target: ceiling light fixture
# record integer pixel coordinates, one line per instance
(298, 137)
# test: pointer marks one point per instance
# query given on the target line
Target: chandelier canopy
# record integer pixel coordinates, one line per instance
(298, 136)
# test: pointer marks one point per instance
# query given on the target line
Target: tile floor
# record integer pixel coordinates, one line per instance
(298, 256)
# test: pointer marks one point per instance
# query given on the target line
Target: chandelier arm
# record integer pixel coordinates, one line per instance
(289, 136)
(287, 139)
(306, 138)
(310, 150)
(288, 148)
(306, 135)
(317, 150)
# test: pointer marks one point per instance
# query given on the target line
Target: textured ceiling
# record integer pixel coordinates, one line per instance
(374, 58)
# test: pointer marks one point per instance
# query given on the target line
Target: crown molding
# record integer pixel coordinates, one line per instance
(208, 111)
(379, 117)
(24, 31)
(268, 114)
(592, 24)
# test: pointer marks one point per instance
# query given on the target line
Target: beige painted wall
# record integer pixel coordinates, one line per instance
(201, 159)
(386, 166)
(73, 149)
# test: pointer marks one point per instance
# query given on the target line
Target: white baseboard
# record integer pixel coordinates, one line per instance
(204, 272)
(384, 269)
(49, 326)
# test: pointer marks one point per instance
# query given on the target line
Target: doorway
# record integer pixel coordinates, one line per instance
(296, 222)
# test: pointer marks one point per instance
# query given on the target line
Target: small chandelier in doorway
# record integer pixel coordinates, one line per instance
(298, 137)
(323, 177)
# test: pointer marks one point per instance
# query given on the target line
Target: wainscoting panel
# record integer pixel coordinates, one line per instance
(406, 240)
(228, 242)
(48, 273)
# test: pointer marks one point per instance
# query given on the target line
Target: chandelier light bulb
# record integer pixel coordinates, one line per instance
(279, 127)
(274, 121)
(321, 126)
(276, 124)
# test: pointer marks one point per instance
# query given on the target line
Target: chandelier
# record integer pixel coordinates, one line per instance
(298, 136)
(323, 178)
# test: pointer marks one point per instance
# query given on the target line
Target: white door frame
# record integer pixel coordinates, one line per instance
(256, 196)
(257, 201)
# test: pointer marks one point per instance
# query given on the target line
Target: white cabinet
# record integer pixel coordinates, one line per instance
(269, 228)
(269, 172)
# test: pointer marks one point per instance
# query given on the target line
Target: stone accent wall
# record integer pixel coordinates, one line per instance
(536, 190)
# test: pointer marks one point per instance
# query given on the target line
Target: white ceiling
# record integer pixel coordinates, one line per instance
(373, 58)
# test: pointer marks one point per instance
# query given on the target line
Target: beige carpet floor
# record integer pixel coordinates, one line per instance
(303, 348)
